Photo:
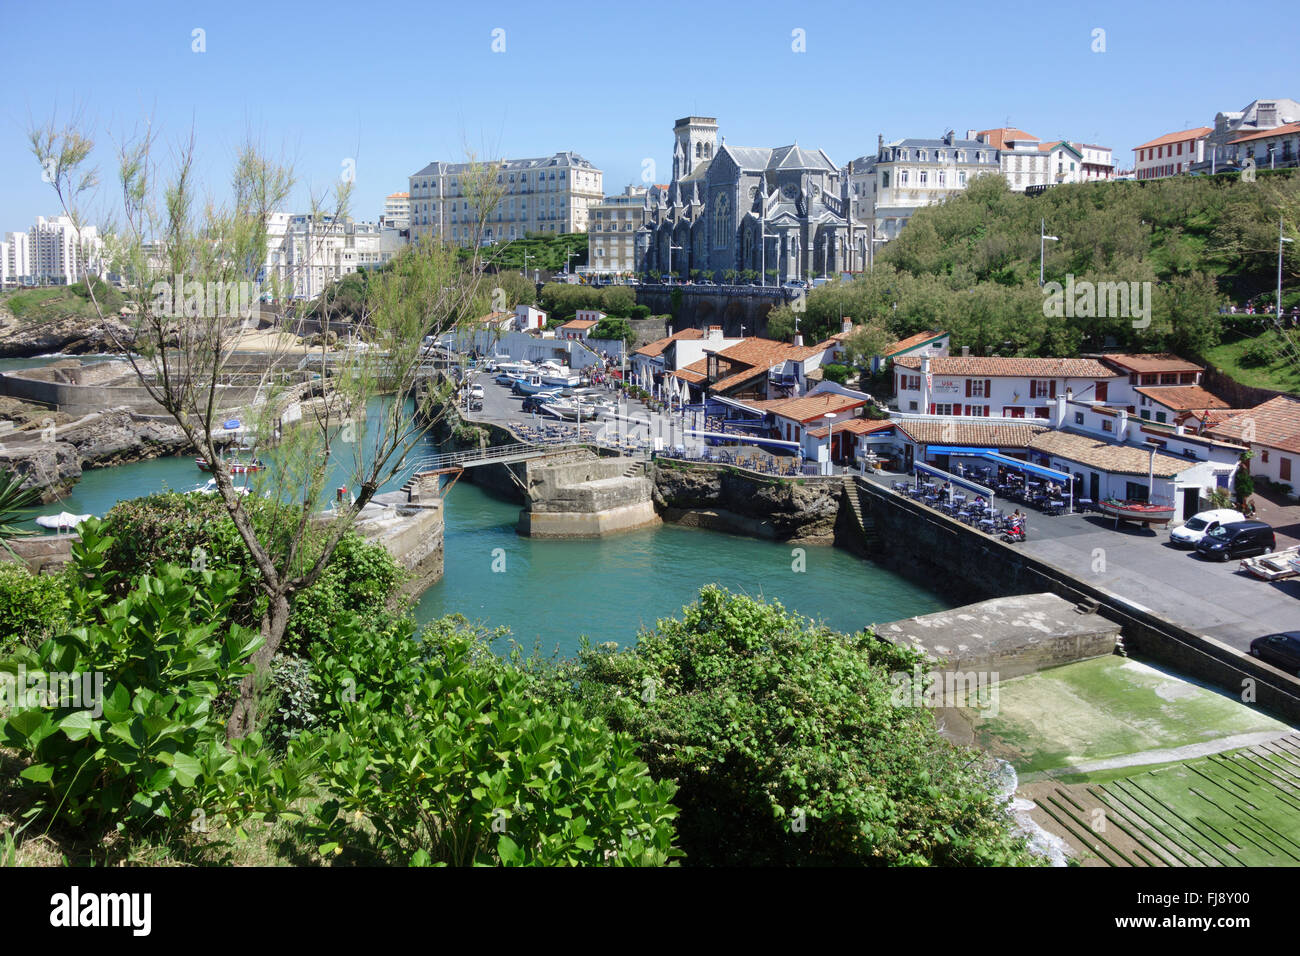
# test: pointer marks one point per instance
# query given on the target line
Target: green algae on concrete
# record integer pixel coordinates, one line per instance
(1105, 711)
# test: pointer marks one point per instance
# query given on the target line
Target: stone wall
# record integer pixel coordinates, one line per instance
(724, 498)
(584, 498)
(40, 553)
(76, 399)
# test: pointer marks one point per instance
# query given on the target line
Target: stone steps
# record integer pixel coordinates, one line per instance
(861, 515)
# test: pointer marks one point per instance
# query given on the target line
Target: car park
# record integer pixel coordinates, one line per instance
(1237, 539)
(1281, 650)
(1200, 524)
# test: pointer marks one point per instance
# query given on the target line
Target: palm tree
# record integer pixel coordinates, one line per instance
(14, 500)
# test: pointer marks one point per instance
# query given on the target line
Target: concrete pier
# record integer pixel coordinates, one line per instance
(589, 498)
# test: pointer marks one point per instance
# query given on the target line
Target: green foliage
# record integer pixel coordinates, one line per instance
(836, 373)
(765, 720)
(15, 502)
(675, 302)
(139, 744)
(562, 300)
(639, 312)
(453, 760)
(63, 302)
(32, 606)
(1260, 352)
(546, 251)
(168, 528)
(512, 289)
(1243, 485)
(613, 329)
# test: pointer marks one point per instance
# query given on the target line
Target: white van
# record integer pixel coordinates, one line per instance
(1199, 525)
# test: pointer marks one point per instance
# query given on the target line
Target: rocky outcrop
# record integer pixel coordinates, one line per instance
(52, 459)
(71, 336)
(789, 509)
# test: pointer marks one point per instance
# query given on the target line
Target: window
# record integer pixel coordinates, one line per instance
(961, 178)
(1078, 418)
(721, 222)
(1284, 468)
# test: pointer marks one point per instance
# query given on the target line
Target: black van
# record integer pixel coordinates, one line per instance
(1237, 539)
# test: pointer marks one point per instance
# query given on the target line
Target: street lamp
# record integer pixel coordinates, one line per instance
(1042, 246)
(671, 247)
(830, 441)
(763, 236)
(566, 261)
(1280, 240)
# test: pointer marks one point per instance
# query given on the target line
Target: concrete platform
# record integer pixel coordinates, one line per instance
(1006, 637)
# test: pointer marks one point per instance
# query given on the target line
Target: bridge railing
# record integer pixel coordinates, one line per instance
(471, 457)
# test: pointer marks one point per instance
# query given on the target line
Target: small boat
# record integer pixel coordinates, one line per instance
(1143, 511)
(234, 466)
(1274, 567)
(210, 488)
(61, 520)
(532, 384)
(553, 374)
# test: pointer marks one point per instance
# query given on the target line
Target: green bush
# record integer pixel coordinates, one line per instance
(446, 751)
(32, 606)
(168, 528)
(836, 373)
(788, 746)
(132, 740)
(639, 312)
(1260, 353)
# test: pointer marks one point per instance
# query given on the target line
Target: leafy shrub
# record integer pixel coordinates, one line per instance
(1259, 353)
(445, 751)
(32, 606)
(292, 701)
(139, 745)
(167, 528)
(639, 312)
(787, 746)
(836, 373)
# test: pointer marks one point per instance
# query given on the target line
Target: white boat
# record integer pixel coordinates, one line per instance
(210, 488)
(61, 520)
(532, 384)
(561, 375)
(1276, 566)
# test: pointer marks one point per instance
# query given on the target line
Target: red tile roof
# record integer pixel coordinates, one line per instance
(1168, 138)
(1276, 424)
(1181, 398)
(579, 324)
(966, 432)
(902, 345)
(1286, 130)
(998, 138)
(658, 346)
(1150, 362)
(854, 426)
(812, 407)
(995, 367)
(756, 356)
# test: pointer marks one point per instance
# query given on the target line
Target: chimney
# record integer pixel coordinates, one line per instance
(846, 324)
(1060, 410)
(669, 329)
(798, 340)
(1121, 430)
(714, 333)
(965, 351)
(880, 142)
(925, 365)
(970, 134)
(1069, 395)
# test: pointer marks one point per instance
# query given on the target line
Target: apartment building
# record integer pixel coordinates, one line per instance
(397, 211)
(52, 252)
(551, 194)
(1277, 148)
(886, 189)
(1223, 145)
(612, 226)
(985, 387)
(1021, 159)
(14, 266)
(1171, 154)
(305, 253)
(1070, 162)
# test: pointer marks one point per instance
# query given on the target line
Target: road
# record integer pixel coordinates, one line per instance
(1141, 565)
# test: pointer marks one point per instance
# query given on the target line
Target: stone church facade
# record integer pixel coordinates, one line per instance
(747, 208)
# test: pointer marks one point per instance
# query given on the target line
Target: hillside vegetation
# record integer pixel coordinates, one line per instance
(970, 265)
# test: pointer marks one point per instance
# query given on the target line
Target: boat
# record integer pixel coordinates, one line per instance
(1143, 511)
(234, 466)
(532, 384)
(61, 520)
(561, 375)
(1276, 566)
(210, 488)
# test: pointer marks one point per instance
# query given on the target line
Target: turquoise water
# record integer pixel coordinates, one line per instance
(552, 592)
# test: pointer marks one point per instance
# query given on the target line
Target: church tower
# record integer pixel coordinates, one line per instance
(696, 139)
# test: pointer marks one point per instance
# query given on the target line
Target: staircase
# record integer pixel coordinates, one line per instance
(861, 514)
(634, 470)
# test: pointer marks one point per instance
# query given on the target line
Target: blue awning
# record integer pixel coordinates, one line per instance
(953, 450)
(1032, 469)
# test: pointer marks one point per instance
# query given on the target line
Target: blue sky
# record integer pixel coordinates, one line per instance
(393, 86)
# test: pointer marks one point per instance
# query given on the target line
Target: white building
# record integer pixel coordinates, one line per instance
(1223, 146)
(15, 265)
(612, 226)
(996, 387)
(1078, 162)
(52, 252)
(549, 194)
(397, 211)
(305, 254)
(1022, 162)
(886, 189)
(1272, 432)
(1171, 154)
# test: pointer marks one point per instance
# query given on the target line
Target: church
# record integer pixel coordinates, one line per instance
(747, 209)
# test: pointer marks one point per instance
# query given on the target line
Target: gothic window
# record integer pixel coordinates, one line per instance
(721, 221)
(699, 150)
(708, 150)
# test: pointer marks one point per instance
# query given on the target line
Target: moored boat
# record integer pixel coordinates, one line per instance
(234, 466)
(1274, 567)
(1144, 511)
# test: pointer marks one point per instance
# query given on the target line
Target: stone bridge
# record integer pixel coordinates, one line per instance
(730, 306)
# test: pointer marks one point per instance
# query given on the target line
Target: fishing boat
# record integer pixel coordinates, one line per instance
(1274, 567)
(1144, 511)
(532, 384)
(554, 374)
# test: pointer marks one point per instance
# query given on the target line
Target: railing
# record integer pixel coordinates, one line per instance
(466, 459)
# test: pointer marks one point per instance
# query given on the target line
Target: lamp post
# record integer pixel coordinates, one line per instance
(566, 261)
(671, 247)
(1042, 247)
(1281, 239)
(830, 441)
(763, 236)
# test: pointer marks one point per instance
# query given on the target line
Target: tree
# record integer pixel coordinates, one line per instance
(181, 250)
(613, 329)
(866, 341)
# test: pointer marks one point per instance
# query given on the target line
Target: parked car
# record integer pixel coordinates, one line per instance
(1281, 650)
(505, 379)
(1197, 526)
(1237, 539)
(476, 391)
